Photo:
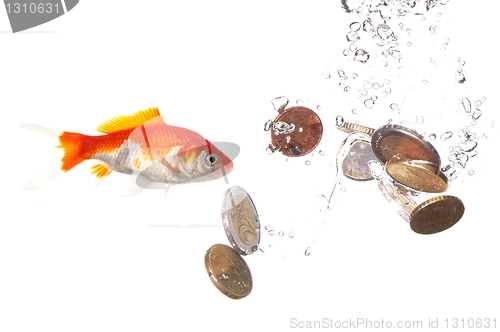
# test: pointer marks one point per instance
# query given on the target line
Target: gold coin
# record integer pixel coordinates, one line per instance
(417, 174)
(353, 127)
(436, 214)
(240, 220)
(228, 271)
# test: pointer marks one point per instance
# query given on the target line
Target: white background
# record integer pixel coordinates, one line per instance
(75, 258)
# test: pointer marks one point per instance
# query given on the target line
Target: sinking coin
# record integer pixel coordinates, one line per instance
(436, 214)
(355, 164)
(398, 142)
(353, 127)
(228, 271)
(296, 131)
(240, 220)
(418, 175)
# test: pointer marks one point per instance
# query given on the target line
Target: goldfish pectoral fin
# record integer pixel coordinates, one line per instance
(100, 171)
(130, 188)
(42, 177)
(169, 190)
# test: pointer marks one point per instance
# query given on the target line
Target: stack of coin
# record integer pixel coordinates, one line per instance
(412, 163)
(227, 270)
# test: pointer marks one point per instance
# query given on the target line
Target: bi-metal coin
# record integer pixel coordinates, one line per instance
(295, 132)
(355, 164)
(398, 142)
(432, 216)
(228, 271)
(418, 175)
(240, 220)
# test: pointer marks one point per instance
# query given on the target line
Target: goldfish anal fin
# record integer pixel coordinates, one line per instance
(122, 122)
(100, 171)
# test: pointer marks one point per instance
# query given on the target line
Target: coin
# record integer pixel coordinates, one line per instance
(398, 199)
(418, 175)
(393, 141)
(296, 131)
(355, 164)
(240, 220)
(353, 127)
(228, 271)
(436, 214)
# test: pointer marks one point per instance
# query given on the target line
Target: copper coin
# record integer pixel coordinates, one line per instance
(353, 127)
(398, 142)
(436, 214)
(240, 220)
(418, 175)
(355, 164)
(304, 131)
(228, 271)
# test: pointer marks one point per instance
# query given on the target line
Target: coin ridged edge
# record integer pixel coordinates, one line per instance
(349, 127)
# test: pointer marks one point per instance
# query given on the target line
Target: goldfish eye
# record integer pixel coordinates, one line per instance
(211, 159)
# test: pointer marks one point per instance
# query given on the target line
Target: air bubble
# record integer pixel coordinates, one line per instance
(369, 103)
(281, 233)
(467, 105)
(339, 120)
(353, 47)
(267, 227)
(354, 76)
(432, 137)
(291, 235)
(419, 119)
(433, 29)
(361, 56)
(298, 102)
(321, 152)
(326, 75)
(308, 162)
(271, 232)
(346, 53)
(319, 107)
(477, 114)
(425, 81)
(374, 98)
(477, 103)
(446, 135)
(483, 98)
(347, 89)
(409, 44)
(307, 252)
(300, 130)
(354, 111)
(408, 31)
(385, 63)
(343, 189)
(394, 106)
(355, 26)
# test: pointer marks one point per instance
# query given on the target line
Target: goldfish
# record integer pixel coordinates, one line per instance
(144, 146)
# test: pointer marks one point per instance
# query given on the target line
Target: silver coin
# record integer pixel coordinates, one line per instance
(355, 164)
(240, 220)
(398, 142)
(397, 198)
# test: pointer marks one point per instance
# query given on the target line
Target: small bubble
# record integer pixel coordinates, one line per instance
(423, 19)
(477, 103)
(409, 44)
(319, 107)
(271, 232)
(369, 103)
(401, 68)
(326, 75)
(432, 137)
(457, 59)
(307, 252)
(291, 235)
(477, 114)
(286, 160)
(492, 123)
(281, 233)
(308, 162)
(363, 92)
(339, 120)
(354, 76)
(321, 152)
(425, 81)
(471, 172)
(300, 130)
(299, 102)
(355, 26)
(353, 47)
(347, 89)
(433, 60)
(446, 135)
(433, 29)
(462, 63)
(376, 85)
(394, 106)
(267, 227)
(420, 119)
(467, 105)
(262, 249)
(343, 189)
(385, 63)
(346, 53)
(354, 111)
(401, 26)
(374, 98)
(439, 15)
(361, 56)
(387, 81)
(408, 31)
(483, 98)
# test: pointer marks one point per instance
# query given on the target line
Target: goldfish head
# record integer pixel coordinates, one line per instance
(211, 163)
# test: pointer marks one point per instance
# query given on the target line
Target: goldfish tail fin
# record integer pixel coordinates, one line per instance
(71, 143)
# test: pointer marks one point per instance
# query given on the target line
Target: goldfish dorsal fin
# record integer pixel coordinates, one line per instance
(122, 122)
